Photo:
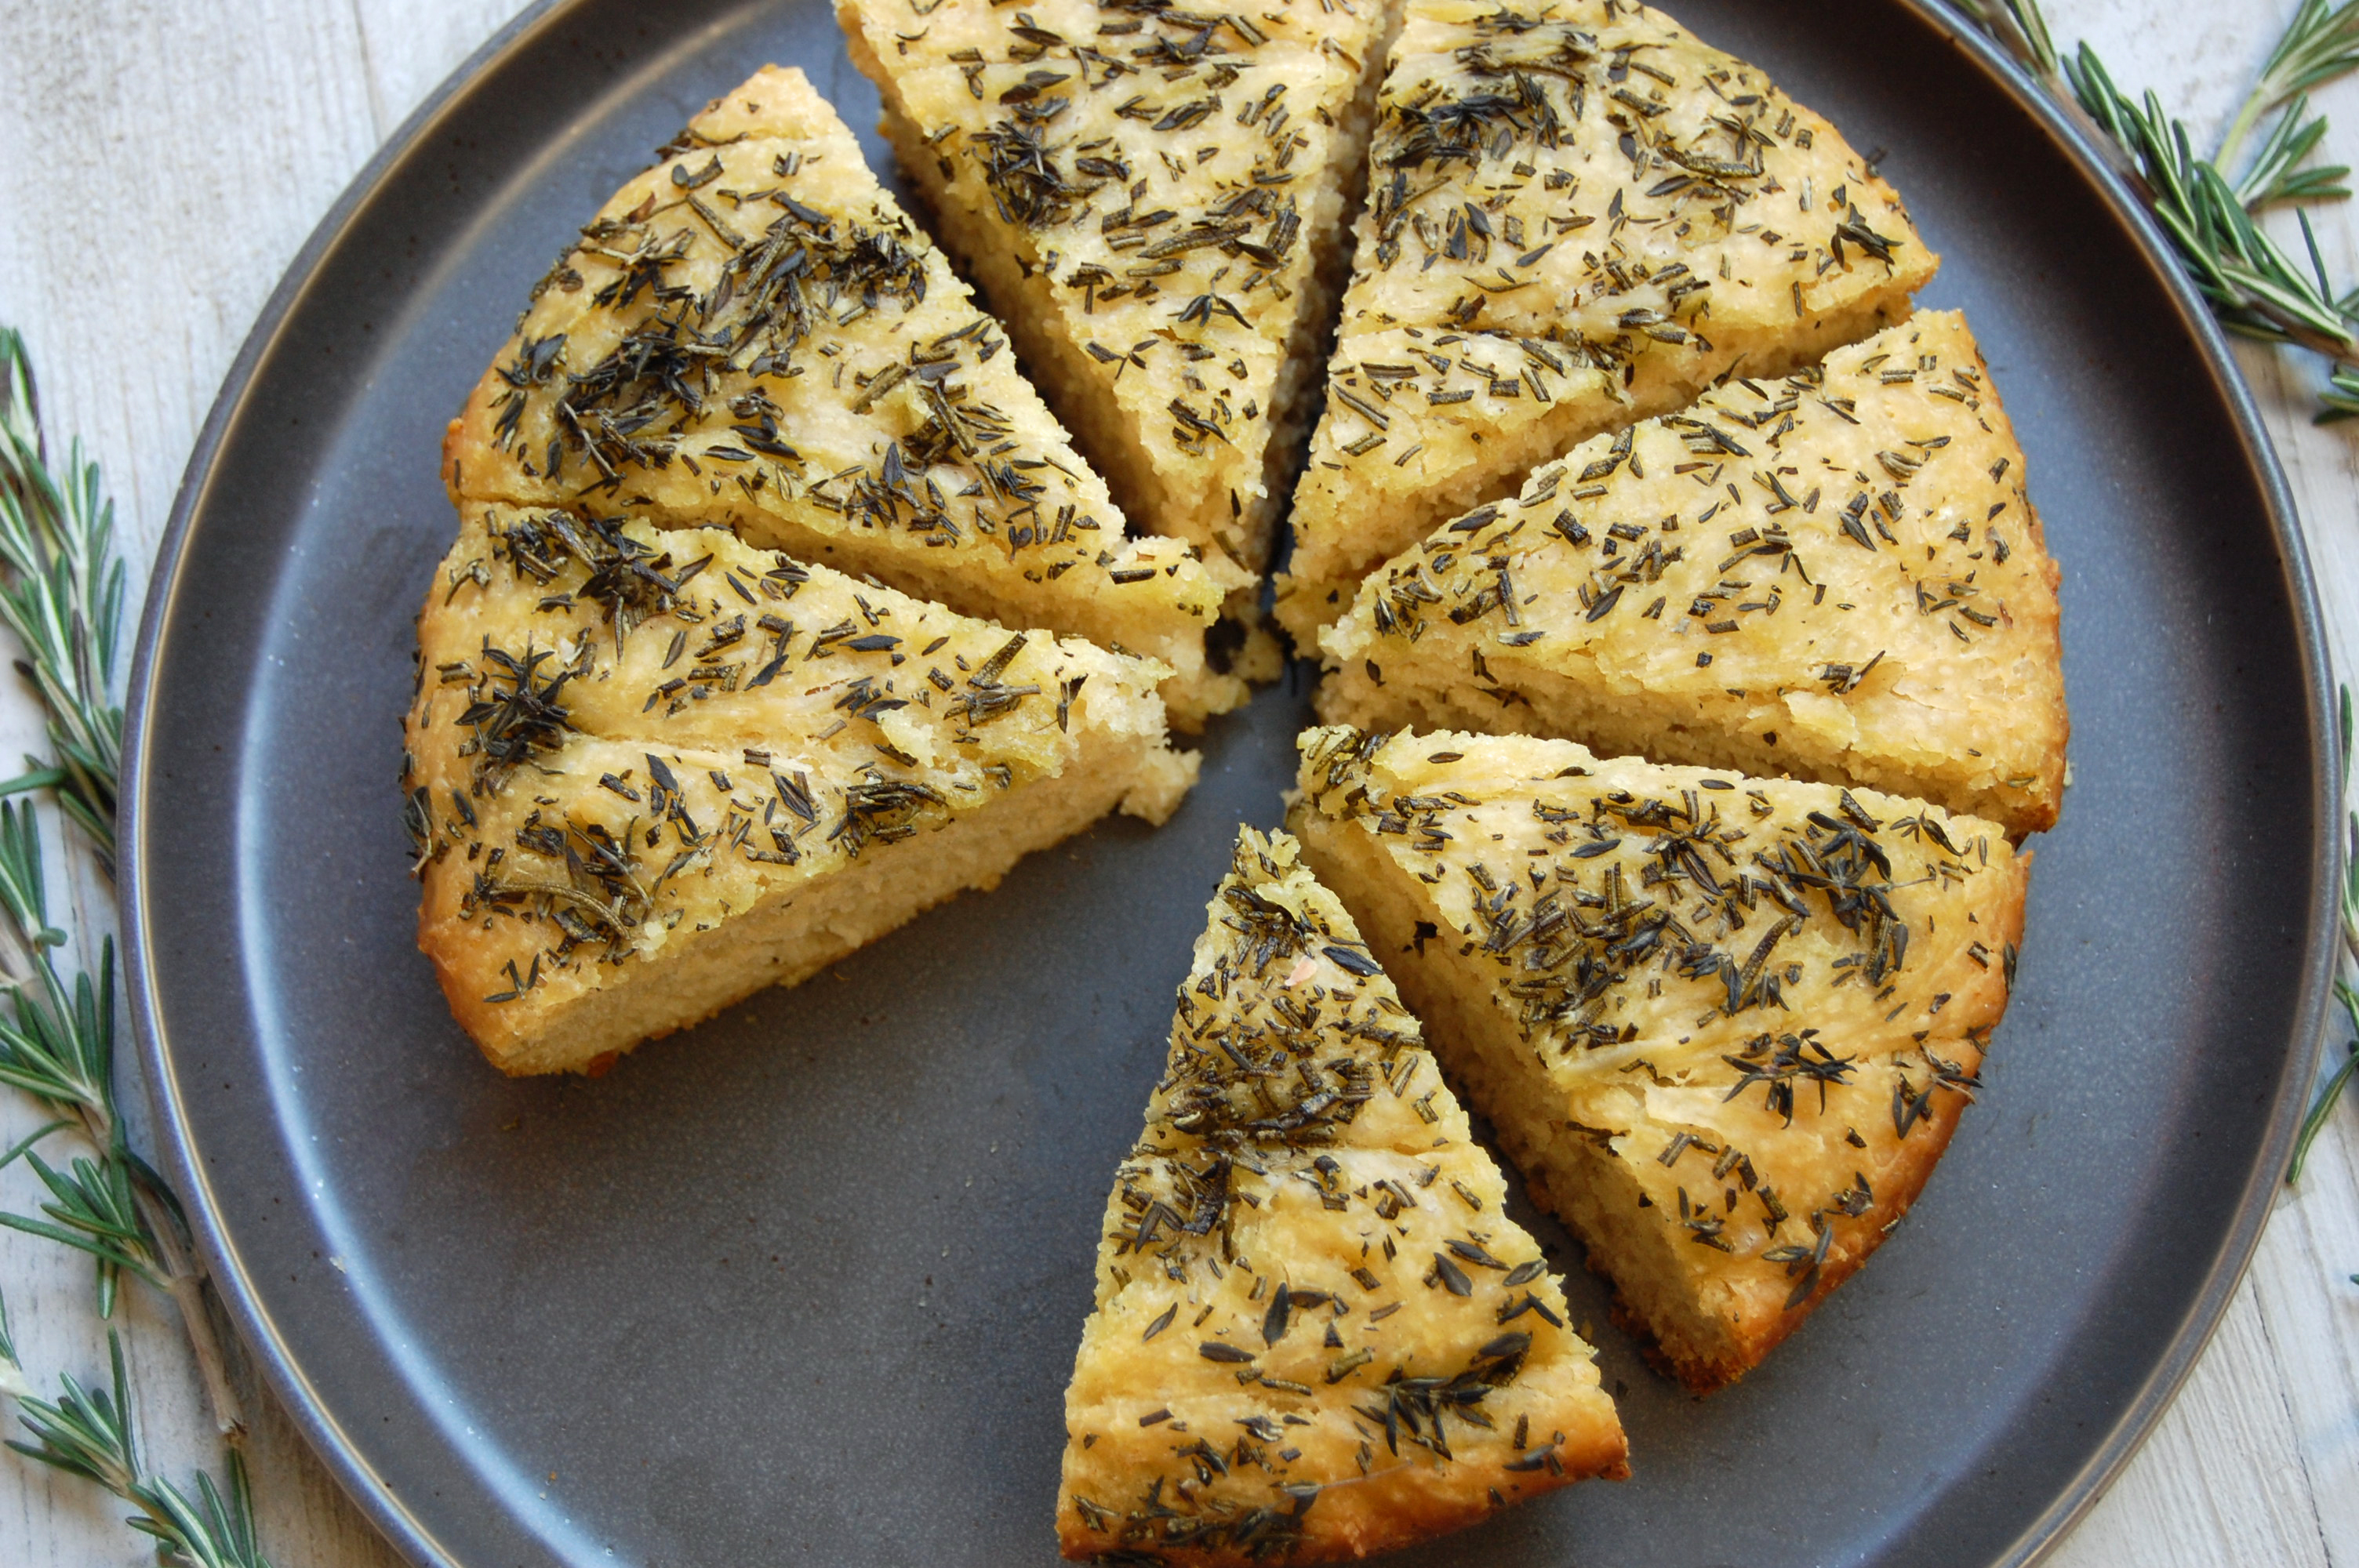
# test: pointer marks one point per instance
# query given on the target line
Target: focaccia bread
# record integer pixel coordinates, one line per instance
(1578, 216)
(1723, 1026)
(651, 771)
(1837, 575)
(1317, 1334)
(751, 335)
(1155, 200)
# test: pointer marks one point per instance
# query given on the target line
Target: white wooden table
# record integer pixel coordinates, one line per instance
(160, 163)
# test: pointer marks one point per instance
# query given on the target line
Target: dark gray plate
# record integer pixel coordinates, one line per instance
(803, 1285)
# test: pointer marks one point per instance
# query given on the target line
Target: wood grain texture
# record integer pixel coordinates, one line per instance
(138, 291)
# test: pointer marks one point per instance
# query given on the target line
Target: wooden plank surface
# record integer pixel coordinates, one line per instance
(161, 161)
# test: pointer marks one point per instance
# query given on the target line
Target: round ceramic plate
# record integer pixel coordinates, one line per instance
(803, 1284)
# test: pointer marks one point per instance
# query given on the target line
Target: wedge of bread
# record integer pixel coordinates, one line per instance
(1723, 1026)
(751, 335)
(1155, 200)
(1578, 216)
(1318, 1334)
(1835, 575)
(651, 771)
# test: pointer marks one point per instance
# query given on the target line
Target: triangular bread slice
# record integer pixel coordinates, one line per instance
(1318, 1333)
(751, 335)
(1578, 216)
(1837, 575)
(1723, 1026)
(650, 772)
(1156, 201)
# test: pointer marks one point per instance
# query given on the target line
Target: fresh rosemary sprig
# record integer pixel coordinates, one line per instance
(89, 1434)
(2319, 45)
(61, 592)
(63, 599)
(57, 1045)
(2253, 285)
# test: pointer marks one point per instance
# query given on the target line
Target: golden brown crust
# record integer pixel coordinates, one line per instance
(1528, 277)
(1655, 1071)
(1318, 1334)
(864, 414)
(1752, 1340)
(1836, 576)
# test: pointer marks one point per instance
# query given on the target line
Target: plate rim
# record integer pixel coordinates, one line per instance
(412, 1536)
(322, 1432)
(2209, 1307)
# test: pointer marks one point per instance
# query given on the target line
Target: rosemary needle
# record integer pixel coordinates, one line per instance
(2323, 1107)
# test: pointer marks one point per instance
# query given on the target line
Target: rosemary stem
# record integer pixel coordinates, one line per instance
(2341, 349)
(2247, 116)
(186, 1277)
(183, 1274)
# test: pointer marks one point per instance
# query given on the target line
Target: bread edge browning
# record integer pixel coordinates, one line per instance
(1472, 1048)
